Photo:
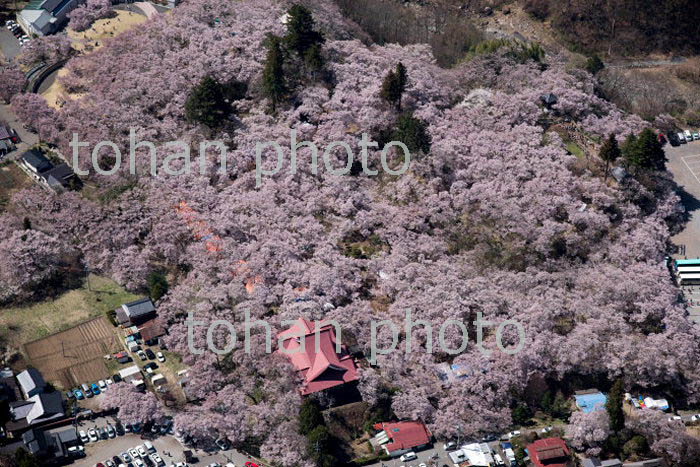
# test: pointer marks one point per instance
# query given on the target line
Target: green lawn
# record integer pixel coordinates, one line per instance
(27, 323)
(576, 150)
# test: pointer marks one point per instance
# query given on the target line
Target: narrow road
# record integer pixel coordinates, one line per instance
(28, 138)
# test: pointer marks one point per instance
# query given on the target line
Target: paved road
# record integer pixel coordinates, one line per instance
(9, 46)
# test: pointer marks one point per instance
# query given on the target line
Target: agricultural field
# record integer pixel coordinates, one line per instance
(74, 356)
(22, 324)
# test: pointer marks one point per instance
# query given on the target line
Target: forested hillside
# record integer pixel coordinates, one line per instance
(497, 217)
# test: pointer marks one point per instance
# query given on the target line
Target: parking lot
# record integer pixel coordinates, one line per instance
(684, 164)
(167, 447)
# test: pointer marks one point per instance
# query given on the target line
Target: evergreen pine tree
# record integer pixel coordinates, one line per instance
(301, 34)
(610, 152)
(614, 406)
(274, 82)
(207, 103)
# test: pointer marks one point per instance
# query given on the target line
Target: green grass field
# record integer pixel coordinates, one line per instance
(27, 323)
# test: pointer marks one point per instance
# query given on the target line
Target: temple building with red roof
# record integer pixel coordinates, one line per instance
(549, 452)
(319, 365)
(397, 438)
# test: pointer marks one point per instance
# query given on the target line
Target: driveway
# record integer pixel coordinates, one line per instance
(9, 45)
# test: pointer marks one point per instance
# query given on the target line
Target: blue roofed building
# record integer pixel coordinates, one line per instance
(590, 400)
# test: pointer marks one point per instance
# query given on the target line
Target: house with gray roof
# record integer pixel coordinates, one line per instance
(35, 411)
(31, 382)
(136, 312)
(43, 17)
(43, 171)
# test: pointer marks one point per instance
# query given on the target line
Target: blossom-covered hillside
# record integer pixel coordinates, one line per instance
(495, 218)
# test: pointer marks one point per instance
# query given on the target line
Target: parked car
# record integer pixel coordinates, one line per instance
(102, 385)
(673, 139)
(116, 460)
(223, 444)
(681, 138)
(149, 446)
(87, 390)
(76, 451)
(120, 429)
(111, 432)
(142, 451)
(253, 464)
(513, 434)
(150, 354)
(109, 382)
(673, 418)
(92, 434)
(70, 395)
(157, 459)
(141, 355)
(696, 136)
(695, 418)
(83, 437)
(547, 429)
(78, 394)
(449, 446)
(116, 378)
(136, 428)
(409, 456)
(688, 135)
(95, 389)
(134, 454)
(103, 433)
(109, 463)
(125, 456)
(160, 356)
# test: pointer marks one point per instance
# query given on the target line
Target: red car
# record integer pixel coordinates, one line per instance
(251, 464)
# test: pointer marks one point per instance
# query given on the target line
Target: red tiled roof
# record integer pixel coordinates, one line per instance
(549, 452)
(323, 369)
(405, 435)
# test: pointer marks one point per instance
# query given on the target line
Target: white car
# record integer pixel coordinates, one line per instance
(111, 432)
(134, 454)
(125, 456)
(409, 456)
(160, 357)
(92, 434)
(83, 437)
(139, 463)
(498, 459)
(449, 446)
(547, 429)
(673, 418)
(76, 450)
(688, 135)
(695, 418)
(513, 434)
(142, 451)
(681, 137)
(149, 446)
(156, 459)
(102, 385)
(109, 382)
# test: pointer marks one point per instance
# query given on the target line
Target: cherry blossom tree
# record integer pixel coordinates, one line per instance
(134, 406)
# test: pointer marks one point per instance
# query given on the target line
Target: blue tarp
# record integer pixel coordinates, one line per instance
(591, 402)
